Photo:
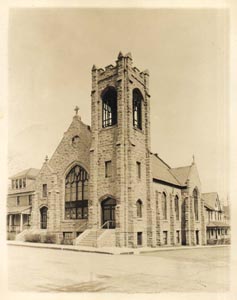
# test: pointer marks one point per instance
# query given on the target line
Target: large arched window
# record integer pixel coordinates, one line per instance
(164, 206)
(137, 109)
(109, 107)
(195, 200)
(139, 208)
(176, 207)
(76, 194)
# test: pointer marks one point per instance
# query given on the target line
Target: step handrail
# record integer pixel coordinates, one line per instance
(106, 223)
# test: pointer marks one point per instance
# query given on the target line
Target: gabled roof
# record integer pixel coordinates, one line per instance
(29, 173)
(181, 174)
(209, 206)
(161, 171)
(210, 200)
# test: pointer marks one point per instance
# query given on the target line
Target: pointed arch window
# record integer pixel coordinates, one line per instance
(76, 193)
(109, 107)
(137, 109)
(139, 208)
(195, 200)
(176, 207)
(164, 206)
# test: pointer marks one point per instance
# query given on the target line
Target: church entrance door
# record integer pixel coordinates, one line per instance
(108, 213)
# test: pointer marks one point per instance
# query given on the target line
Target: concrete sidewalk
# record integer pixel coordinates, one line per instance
(107, 250)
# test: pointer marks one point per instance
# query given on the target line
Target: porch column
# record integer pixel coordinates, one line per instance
(10, 223)
(21, 222)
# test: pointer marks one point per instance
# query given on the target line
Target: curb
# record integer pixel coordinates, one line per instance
(40, 246)
(125, 252)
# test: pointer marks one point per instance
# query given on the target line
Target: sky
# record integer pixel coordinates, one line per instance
(50, 56)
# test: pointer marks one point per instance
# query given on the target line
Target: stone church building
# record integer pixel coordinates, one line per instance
(104, 187)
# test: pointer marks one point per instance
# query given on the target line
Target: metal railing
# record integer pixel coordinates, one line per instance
(108, 225)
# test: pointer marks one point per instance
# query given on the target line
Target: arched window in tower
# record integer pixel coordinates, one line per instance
(76, 194)
(137, 109)
(109, 107)
(139, 208)
(164, 206)
(176, 207)
(195, 200)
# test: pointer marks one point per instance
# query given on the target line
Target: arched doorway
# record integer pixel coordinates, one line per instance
(43, 217)
(108, 213)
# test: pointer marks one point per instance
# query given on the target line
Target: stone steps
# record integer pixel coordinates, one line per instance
(96, 238)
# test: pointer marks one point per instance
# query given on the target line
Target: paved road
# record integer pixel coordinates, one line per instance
(189, 270)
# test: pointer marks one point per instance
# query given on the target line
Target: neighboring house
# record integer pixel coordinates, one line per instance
(19, 200)
(217, 219)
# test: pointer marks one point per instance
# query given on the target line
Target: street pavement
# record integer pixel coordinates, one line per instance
(49, 270)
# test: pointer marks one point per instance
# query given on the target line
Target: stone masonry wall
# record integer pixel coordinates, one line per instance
(53, 174)
(124, 146)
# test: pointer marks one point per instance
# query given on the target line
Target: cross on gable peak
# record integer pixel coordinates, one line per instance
(76, 110)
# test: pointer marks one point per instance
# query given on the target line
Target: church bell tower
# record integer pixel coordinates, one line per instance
(120, 167)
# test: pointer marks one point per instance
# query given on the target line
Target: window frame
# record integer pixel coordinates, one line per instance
(139, 169)
(108, 168)
(139, 238)
(137, 99)
(176, 208)
(165, 237)
(196, 204)
(44, 190)
(139, 208)
(109, 107)
(164, 207)
(30, 200)
(76, 194)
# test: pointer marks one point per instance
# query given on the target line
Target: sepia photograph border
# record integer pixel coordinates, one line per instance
(193, 4)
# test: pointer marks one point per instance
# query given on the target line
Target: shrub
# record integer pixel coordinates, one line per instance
(33, 238)
(67, 241)
(49, 238)
(11, 236)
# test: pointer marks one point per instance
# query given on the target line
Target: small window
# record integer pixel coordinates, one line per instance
(67, 238)
(176, 205)
(30, 199)
(195, 199)
(45, 192)
(164, 206)
(20, 183)
(24, 182)
(139, 208)
(139, 238)
(16, 183)
(75, 140)
(177, 237)
(165, 237)
(138, 170)
(197, 237)
(18, 200)
(108, 168)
